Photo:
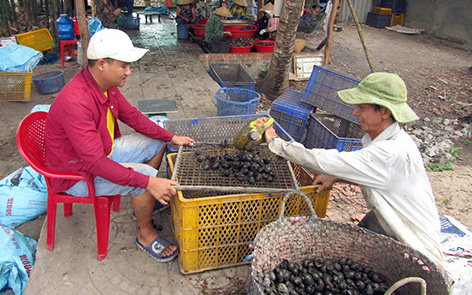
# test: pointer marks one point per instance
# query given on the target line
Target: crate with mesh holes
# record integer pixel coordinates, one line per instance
(332, 132)
(322, 92)
(291, 113)
(216, 231)
(215, 129)
(15, 86)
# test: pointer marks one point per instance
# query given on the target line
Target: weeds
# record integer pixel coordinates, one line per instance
(440, 166)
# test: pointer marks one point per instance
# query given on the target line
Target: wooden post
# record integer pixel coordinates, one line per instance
(83, 27)
(359, 31)
(332, 18)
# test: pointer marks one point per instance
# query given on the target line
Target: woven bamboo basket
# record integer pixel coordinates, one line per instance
(300, 238)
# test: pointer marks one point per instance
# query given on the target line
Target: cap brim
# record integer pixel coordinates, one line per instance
(131, 56)
(401, 112)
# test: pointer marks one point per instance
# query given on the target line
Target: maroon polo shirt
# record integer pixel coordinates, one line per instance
(77, 139)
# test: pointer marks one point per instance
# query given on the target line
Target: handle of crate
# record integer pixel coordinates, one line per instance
(299, 193)
(405, 281)
(177, 162)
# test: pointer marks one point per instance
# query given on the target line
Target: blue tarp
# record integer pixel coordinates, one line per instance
(18, 58)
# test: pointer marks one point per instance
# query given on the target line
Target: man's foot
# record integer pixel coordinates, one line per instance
(158, 249)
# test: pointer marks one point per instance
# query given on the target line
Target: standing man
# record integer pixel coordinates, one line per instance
(83, 136)
(389, 168)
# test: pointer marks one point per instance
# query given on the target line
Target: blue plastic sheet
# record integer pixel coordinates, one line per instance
(16, 259)
(23, 197)
(18, 58)
(94, 26)
(162, 9)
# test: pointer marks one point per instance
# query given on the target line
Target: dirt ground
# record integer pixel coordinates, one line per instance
(439, 83)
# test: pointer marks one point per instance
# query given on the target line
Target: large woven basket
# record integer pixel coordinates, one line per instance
(300, 238)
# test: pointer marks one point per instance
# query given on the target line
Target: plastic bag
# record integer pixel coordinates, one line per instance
(456, 245)
(94, 26)
(23, 197)
(18, 58)
(16, 259)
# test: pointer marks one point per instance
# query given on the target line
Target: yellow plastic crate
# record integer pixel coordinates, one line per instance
(397, 19)
(215, 232)
(40, 40)
(382, 10)
(15, 86)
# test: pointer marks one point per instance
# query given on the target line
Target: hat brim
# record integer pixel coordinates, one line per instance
(130, 56)
(401, 112)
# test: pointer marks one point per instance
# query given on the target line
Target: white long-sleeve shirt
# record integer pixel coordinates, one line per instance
(391, 174)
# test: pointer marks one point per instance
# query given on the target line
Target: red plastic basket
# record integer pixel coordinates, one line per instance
(241, 49)
(199, 30)
(238, 33)
(264, 48)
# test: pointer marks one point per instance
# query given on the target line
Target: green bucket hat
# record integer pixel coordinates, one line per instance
(384, 89)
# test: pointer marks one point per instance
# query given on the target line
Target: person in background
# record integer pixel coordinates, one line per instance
(107, 13)
(263, 21)
(315, 9)
(238, 9)
(128, 4)
(271, 24)
(214, 29)
(186, 13)
(82, 136)
(389, 168)
(270, 32)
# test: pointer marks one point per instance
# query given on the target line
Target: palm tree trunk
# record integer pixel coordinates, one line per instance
(276, 81)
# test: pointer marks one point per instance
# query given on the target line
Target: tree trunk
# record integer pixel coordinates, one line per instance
(276, 81)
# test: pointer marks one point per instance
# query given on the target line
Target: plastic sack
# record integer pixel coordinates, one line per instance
(456, 245)
(23, 197)
(18, 58)
(16, 259)
(94, 26)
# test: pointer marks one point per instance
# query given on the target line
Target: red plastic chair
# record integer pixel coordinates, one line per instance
(30, 141)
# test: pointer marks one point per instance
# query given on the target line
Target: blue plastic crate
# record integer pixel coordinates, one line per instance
(215, 129)
(291, 113)
(236, 101)
(332, 132)
(397, 6)
(378, 20)
(232, 75)
(322, 92)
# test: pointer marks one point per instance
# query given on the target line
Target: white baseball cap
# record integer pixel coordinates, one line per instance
(114, 44)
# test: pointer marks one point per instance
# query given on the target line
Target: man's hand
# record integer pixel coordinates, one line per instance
(161, 189)
(269, 133)
(326, 182)
(182, 140)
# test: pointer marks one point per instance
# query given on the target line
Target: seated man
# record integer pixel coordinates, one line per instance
(389, 168)
(307, 16)
(83, 136)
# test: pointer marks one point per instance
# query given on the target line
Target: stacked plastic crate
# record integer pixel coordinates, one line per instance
(332, 126)
(292, 113)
